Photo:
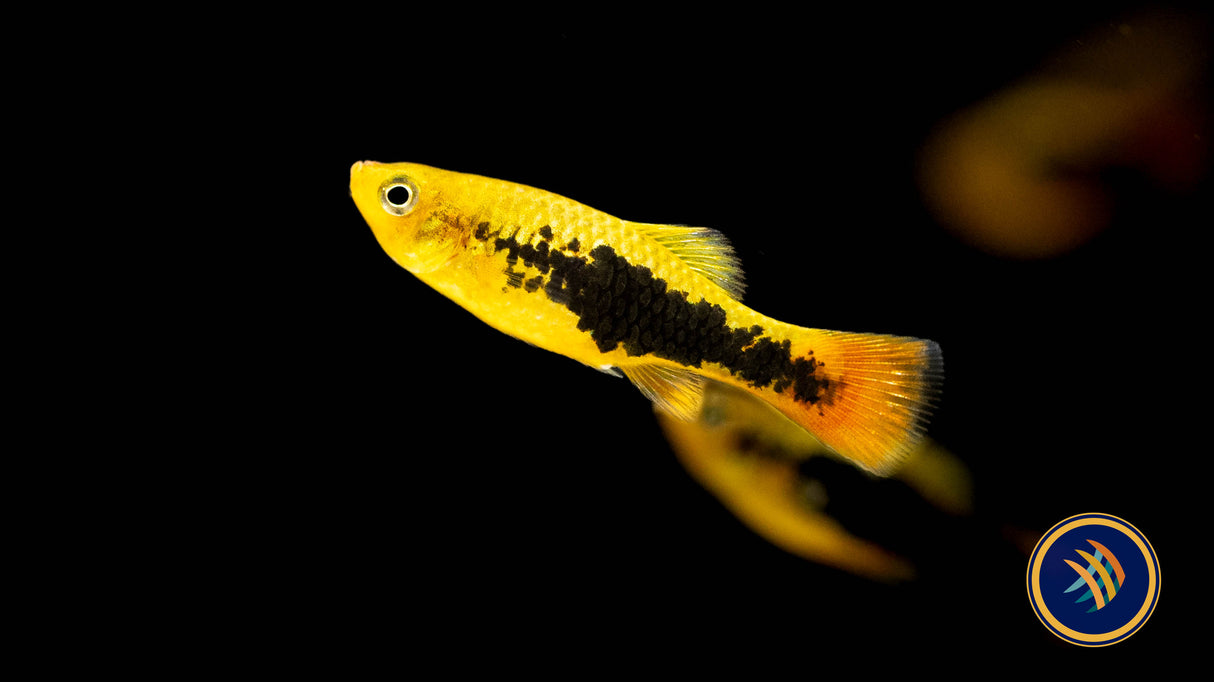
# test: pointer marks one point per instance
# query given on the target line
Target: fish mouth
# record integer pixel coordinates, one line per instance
(361, 173)
(360, 166)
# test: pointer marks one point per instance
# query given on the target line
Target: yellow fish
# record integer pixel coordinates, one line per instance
(659, 303)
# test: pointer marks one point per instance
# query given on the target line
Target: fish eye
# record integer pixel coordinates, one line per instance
(398, 195)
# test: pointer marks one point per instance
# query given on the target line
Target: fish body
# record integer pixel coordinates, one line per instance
(659, 303)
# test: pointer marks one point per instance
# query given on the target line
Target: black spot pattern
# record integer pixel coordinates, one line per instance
(621, 304)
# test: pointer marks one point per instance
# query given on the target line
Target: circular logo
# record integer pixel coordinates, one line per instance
(1093, 580)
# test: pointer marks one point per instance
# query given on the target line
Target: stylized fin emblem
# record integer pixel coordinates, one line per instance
(1103, 576)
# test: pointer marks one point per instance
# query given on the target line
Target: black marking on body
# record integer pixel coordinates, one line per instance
(622, 304)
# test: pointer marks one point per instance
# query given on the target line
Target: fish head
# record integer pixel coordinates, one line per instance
(403, 204)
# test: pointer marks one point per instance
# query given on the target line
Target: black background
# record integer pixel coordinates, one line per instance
(425, 488)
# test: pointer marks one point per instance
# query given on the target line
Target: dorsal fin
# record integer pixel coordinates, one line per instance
(707, 251)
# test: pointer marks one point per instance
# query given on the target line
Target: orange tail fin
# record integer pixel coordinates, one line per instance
(867, 396)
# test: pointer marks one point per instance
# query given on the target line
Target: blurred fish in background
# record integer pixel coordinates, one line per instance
(749, 456)
(1024, 174)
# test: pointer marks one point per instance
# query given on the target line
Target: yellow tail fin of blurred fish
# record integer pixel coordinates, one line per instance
(660, 303)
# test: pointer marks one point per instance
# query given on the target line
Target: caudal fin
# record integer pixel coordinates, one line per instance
(865, 396)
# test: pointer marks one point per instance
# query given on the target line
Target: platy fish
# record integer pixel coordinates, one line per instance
(660, 304)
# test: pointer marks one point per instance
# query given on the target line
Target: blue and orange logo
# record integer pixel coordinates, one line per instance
(1093, 580)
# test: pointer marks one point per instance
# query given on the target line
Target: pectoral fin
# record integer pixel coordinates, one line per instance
(677, 391)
